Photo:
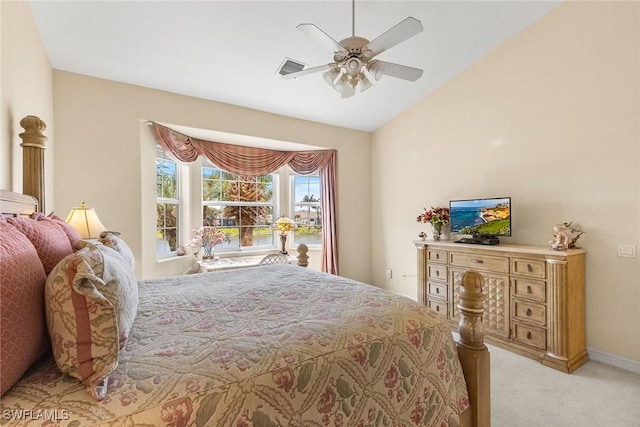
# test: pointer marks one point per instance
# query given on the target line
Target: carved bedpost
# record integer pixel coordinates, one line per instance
(33, 144)
(473, 354)
(303, 258)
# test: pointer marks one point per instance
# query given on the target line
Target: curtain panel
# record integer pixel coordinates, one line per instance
(254, 161)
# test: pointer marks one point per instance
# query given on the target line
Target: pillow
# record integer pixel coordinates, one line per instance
(47, 237)
(23, 334)
(72, 233)
(91, 298)
(111, 239)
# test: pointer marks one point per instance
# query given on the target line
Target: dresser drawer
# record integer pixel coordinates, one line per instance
(530, 335)
(529, 268)
(437, 256)
(439, 307)
(529, 312)
(530, 289)
(437, 271)
(438, 289)
(480, 261)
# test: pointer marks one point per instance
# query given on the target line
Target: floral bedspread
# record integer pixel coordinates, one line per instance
(263, 346)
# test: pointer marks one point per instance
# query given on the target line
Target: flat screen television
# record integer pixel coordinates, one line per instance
(484, 219)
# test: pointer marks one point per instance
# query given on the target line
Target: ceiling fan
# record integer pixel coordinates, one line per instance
(353, 57)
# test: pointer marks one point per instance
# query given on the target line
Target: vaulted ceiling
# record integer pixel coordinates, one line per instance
(230, 51)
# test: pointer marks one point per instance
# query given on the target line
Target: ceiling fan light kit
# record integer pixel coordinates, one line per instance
(353, 57)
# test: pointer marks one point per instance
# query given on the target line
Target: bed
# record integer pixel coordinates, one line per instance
(275, 345)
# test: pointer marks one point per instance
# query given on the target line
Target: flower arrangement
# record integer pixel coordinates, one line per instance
(565, 236)
(437, 217)
(206, 238)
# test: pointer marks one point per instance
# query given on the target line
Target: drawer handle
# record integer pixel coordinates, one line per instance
(437, 256)
(437, 290)
(529, 268)
(528, 312)
(437, 273)
(438, 309)
(529, 336)
(529, 290)
(477, 261)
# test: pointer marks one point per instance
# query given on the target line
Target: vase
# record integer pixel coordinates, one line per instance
(208, 253)
(437, 232)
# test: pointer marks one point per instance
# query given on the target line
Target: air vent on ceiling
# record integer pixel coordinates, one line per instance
(289, 66)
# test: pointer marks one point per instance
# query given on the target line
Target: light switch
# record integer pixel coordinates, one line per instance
(627, 251)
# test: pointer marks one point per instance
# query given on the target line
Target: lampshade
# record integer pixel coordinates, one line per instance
(376, 69)
(284, 225)
(331, 75)
(86, 221)
(365, 83)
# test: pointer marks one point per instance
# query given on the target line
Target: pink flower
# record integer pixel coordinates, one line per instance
(128, 398)
(392, 377)
(192, 386)
(415, 337)
(436, 216)
(417, 415)
(284, 378)
(359, 354)
(463, 403)
(327, 401)
(177, 413)
(440, 363)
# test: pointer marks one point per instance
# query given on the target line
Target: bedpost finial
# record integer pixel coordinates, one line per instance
(303, 258)
(471, 308)
(32, 135)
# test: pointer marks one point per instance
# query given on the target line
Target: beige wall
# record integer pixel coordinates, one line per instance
(25, 89)
(105, 156)
(552, 119)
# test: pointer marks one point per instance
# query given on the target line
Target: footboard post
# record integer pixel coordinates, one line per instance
(473, 354)
(303, 258)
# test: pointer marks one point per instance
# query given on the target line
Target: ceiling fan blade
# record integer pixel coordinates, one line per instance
(400, 71)
(395, 35)
(306, 71)
(320, 37)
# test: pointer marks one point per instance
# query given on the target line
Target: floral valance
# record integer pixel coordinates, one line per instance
(239, 159)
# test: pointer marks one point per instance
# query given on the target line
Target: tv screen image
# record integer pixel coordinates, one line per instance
(481, 217)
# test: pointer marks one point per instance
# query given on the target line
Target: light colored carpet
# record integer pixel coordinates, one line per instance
(525, 393)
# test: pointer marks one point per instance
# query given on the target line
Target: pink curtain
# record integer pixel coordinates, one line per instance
(253, 161)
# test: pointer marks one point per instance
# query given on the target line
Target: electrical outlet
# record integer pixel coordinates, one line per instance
(389, 273)
(627, 251)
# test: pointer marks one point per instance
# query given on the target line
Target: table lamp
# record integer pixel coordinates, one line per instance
(284, 225)
(86, 221)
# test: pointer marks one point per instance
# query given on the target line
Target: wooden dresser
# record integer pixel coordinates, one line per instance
(534, 302)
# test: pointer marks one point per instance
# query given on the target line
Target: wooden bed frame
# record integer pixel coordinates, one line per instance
(472, 352)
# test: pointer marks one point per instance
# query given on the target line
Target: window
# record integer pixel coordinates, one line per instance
(306, 208)
(241, 206)
(167, 205)
(189, 196)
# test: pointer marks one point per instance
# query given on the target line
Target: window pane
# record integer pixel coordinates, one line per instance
(307, 212)
(244, 206)
(307, 189)
(166, 179)
(167, 229)
(167, 211)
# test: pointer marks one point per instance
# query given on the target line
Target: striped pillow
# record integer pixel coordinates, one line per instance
(91, 298)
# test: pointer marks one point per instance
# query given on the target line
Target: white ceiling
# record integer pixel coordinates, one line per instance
(230, 51)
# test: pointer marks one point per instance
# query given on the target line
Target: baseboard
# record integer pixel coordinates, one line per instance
(615, 361)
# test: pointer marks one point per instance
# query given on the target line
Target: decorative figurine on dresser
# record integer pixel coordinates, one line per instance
(534, 296)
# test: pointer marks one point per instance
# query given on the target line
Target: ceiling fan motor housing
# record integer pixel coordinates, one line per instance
(354, 57)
